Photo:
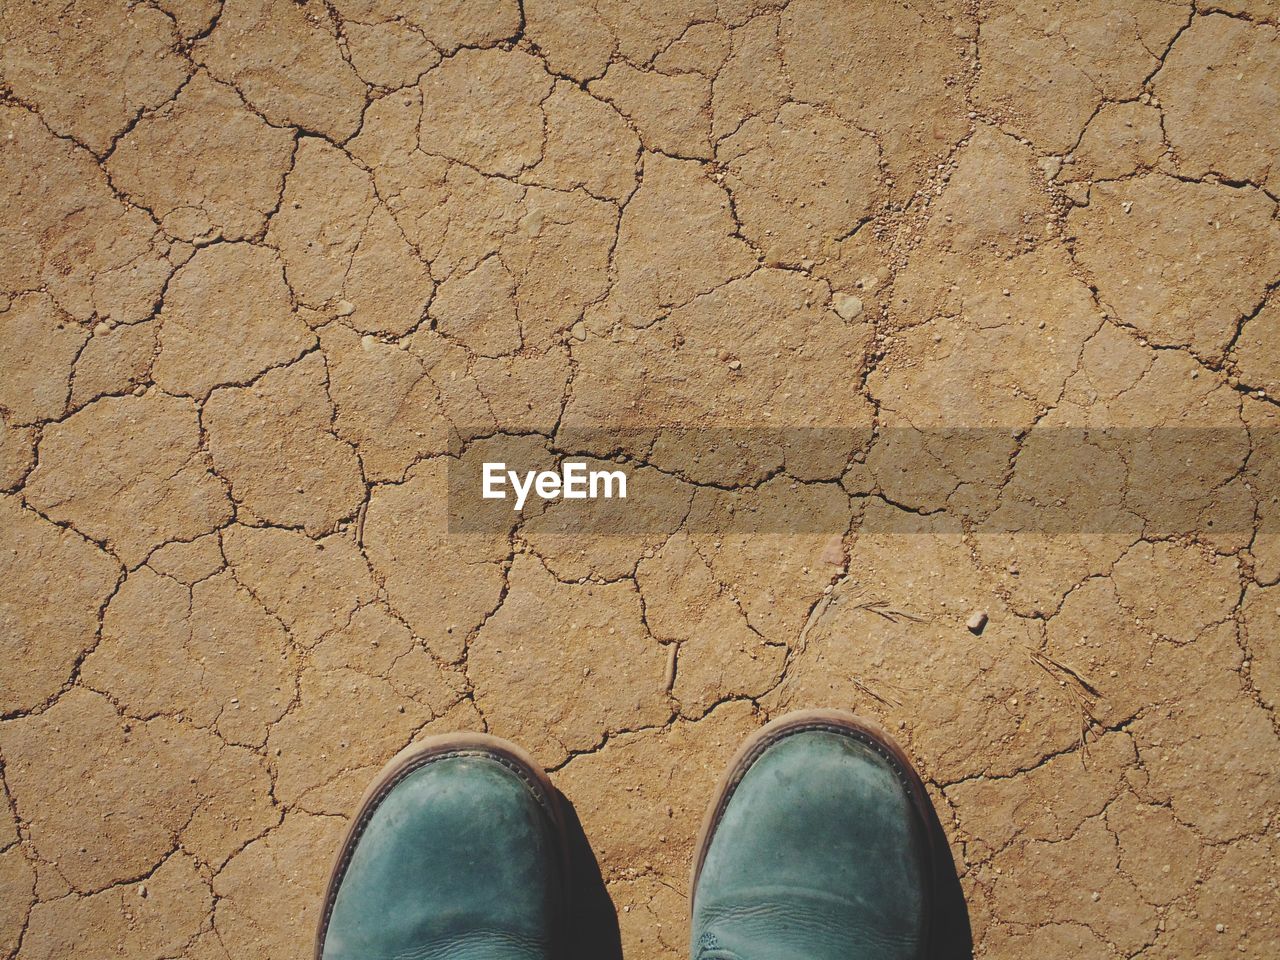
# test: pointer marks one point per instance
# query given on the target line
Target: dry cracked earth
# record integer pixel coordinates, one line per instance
(265, 267)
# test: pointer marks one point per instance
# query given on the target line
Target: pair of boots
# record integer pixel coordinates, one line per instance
(816, 847)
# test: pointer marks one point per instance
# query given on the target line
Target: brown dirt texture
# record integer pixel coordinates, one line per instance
(264, 265)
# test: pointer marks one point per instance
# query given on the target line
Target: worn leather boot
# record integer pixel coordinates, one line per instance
(817, 847)
(457, 852)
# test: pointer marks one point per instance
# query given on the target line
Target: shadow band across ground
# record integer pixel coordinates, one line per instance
(593, 923)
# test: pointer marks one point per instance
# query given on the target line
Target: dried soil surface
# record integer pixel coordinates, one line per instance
(262, 263)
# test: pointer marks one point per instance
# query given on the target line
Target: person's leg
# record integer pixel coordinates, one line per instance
(456, 852)
(816, 848)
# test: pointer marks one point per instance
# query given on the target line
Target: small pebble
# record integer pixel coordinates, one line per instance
(531, 223)
(848, 307)
(345, 308)
(977, 621)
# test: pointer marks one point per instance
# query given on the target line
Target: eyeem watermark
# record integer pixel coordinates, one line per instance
(1137, 481)
(573, 482)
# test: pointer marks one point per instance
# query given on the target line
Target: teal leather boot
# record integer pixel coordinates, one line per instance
(816, 848)
(456, 852)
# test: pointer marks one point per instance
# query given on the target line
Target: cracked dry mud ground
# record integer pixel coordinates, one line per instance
(261, 261)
